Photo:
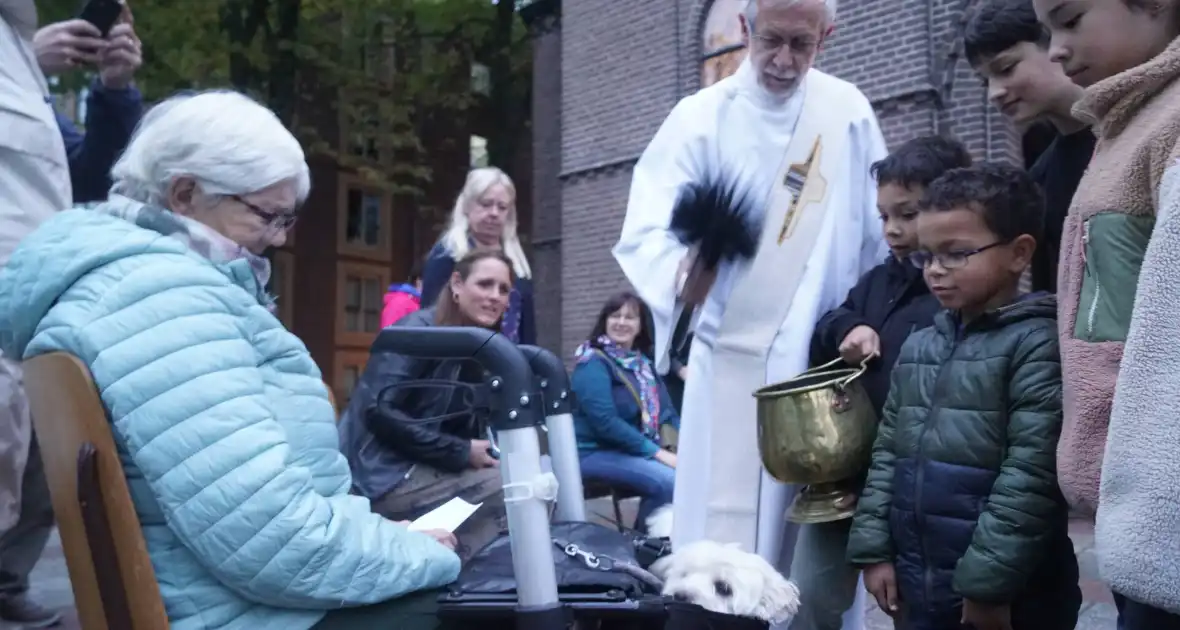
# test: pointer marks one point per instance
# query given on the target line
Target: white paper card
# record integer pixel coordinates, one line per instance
(447, 517)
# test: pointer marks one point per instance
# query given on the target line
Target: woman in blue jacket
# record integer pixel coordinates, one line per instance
(622, 404)
(225, 431)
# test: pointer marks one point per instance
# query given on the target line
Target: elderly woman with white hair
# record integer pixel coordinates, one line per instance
(484, 217)
(226, 431)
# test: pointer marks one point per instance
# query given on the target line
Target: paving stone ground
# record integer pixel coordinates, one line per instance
(51, 582)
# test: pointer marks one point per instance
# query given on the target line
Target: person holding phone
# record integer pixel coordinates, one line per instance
(34, 185)
(413, 448)
(48, 164)
(113, 104)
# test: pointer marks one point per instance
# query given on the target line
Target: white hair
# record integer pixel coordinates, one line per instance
(752, 10)
(226, 141)
(456, 238)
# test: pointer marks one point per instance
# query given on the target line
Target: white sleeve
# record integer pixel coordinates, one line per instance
(647, 251)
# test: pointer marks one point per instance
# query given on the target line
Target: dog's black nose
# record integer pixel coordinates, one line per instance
(680, 597)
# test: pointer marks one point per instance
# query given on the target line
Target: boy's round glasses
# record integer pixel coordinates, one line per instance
(949, 260)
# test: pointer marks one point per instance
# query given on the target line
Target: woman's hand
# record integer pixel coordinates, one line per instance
(666, 457)
(444, 538)
(479, 456)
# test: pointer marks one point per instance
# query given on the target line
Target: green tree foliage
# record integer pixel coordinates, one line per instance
(355, 79)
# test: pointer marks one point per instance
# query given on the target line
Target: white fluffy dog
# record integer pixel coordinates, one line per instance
(723, 578)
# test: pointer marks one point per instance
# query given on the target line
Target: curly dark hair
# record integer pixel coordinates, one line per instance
(921, 161)
(1009, 201)
(644, 340)
(994, 26)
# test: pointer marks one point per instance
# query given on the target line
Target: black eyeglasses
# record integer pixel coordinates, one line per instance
(948, 260)
(273, 220)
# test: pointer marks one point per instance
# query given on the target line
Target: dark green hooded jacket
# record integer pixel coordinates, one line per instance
(962, 493)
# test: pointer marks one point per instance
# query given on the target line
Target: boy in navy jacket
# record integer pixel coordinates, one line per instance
(891, 300)
(881, 311)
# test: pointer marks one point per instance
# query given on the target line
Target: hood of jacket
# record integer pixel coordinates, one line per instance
(72, 244)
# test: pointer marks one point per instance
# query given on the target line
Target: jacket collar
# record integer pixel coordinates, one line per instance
(1111, 103)
(1028, 306)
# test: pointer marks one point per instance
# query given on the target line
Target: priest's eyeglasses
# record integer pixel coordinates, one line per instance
(948, 260)
(774, 43)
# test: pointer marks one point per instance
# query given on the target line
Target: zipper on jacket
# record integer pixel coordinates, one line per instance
(1092, 309)
(893, 303)
(920, 477)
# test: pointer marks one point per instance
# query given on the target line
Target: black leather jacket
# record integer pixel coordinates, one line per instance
(384, 442)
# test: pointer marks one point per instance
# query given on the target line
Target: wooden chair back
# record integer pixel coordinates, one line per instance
(114, 585)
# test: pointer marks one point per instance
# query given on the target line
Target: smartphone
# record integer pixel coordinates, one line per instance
(103, 14)
(493, 450)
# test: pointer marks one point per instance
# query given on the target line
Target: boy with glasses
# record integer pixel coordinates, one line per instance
(961, 520)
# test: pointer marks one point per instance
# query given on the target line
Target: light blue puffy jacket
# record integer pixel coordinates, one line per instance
(223, 424)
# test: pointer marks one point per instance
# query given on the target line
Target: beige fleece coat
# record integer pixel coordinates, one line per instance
(1138, 523)
(1136, 116)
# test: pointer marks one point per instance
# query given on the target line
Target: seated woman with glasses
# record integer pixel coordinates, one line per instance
(621, 406)
(414, 448)
(225, 431)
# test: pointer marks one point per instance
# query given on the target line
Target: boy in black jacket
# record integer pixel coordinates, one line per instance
(888, 303)
(1010, 50)
(891, 300)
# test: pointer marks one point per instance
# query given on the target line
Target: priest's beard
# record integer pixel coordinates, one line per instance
(779, 87)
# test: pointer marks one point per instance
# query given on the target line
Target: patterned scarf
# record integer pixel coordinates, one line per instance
(510, 326)
(640, 367)
(200, 238)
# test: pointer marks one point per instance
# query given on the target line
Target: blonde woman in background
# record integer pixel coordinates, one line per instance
(484, 217)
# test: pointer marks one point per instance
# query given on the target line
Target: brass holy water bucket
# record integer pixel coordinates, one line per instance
(818, 429)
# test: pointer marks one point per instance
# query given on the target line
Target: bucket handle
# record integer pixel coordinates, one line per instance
(864, 366)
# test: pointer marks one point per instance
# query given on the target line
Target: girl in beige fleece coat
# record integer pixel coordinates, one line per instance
(1119, 302)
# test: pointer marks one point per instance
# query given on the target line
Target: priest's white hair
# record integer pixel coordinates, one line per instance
(752, 9)
(456, 238)
(226, 141)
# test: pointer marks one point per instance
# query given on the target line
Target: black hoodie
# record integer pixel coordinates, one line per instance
(892, 299)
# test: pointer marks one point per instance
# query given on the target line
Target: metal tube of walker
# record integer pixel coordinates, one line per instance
(563, 443)
(515, 421)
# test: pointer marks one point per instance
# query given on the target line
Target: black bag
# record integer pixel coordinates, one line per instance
(692, 617)
(489, 575)
(648, 549)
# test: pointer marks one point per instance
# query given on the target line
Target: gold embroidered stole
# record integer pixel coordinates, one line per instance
(796, 208)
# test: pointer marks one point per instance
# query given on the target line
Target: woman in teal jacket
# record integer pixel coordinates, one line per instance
(622, 405)
(227, 433)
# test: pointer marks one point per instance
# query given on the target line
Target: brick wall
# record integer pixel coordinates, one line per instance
(546, 154)
(625, 64)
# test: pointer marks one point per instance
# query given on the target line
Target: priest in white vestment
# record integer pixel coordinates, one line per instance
(802, 140)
